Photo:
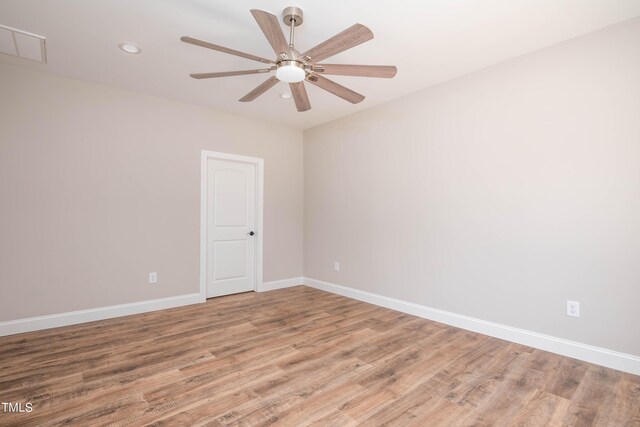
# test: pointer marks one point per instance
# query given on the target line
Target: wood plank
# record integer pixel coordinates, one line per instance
(567, 377)
(590, 396)
(543, 408)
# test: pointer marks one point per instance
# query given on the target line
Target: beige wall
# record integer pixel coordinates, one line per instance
(99, 187)
(498, 195)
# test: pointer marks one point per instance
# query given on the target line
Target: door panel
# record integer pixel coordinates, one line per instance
(230, 204)
(231, 216)
(229, 259)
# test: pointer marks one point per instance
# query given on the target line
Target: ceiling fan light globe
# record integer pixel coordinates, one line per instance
(290, 73)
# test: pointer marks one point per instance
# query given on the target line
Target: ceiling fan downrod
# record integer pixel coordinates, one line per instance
(292, 16)
(291, 32)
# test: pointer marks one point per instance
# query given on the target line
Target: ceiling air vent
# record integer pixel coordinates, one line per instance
(22, 44)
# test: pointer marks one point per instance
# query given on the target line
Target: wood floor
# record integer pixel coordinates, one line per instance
(294, 357)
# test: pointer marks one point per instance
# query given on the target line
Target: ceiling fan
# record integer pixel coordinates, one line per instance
(294, 67)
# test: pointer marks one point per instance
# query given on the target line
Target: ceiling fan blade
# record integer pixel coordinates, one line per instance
(351, 37)
(300, 96)
(272, 30)
(382, 71)
(223, 49)
(229, 73)
(265, 86)
(335, 88)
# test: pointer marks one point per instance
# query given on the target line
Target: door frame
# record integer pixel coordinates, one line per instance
(204, 172)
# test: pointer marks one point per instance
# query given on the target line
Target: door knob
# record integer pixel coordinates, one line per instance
(251, 233)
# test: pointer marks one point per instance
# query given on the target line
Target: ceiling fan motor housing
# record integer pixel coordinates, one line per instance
(293, 15)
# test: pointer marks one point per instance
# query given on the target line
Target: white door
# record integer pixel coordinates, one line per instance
(231, 219)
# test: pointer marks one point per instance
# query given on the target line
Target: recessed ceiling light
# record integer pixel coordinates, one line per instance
(130, 48)
(285, 95)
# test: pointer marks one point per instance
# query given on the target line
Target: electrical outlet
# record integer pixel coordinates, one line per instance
(336, 266)
(153, 277)
(573, 308)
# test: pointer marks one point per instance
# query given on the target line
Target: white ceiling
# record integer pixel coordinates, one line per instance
(430, 41)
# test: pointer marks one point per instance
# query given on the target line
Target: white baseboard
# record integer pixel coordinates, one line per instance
(82, 316)
(600, 356)
(279, 284)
